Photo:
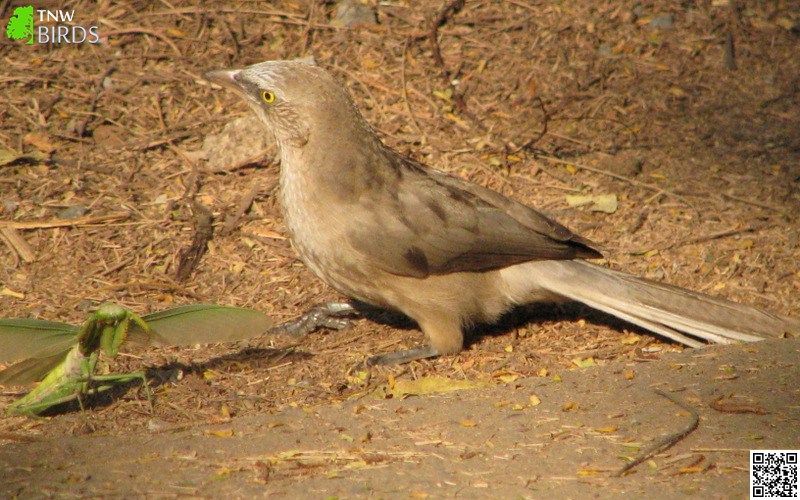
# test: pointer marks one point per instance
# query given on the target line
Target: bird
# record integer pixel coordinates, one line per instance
(388, 231)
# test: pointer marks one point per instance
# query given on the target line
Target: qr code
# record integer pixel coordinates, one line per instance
(773, 473)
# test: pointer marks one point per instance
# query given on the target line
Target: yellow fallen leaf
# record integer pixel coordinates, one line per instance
(583, 363)
(40, 141)
(220, 432)
(692, 470)
(175, 32)
(606, 430)
(223, 471)
(431, 385)
(606, 203)
(534, 400)
(268, 233)
(467, 423)
(506, 378)
(445, 94)
(11, 293)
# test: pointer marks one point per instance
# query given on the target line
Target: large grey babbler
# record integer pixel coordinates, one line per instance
(386, 230)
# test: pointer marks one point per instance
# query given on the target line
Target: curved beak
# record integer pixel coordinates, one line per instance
(224, 77)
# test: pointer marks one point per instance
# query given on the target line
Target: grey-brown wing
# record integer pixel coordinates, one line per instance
(436, 224)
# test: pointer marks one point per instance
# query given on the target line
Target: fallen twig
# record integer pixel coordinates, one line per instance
(80, 221)
(204, 230)
(619, 177)
(712, 236)
(667, 441)
(754, 203)
(18, 244)
(143, 31)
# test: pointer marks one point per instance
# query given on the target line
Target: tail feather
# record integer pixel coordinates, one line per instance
(665, 309)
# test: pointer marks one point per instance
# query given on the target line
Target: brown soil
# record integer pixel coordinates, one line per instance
(703, 158)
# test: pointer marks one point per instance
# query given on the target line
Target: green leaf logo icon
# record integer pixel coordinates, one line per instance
(21, 24)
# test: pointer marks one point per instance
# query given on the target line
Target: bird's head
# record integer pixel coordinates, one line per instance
(298, 101)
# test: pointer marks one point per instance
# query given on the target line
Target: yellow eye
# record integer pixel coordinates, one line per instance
(267, 96)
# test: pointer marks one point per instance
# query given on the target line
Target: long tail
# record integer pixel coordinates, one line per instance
(676, 313)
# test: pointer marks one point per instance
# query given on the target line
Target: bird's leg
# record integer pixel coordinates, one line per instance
(405, 356)
(443, 329)
(328, 315)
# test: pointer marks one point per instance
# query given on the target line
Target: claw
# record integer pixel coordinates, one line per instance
(322, 316)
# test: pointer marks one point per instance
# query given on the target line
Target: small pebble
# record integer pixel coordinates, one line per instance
(72, 212)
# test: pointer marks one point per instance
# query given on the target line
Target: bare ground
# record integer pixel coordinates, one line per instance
(702, 157)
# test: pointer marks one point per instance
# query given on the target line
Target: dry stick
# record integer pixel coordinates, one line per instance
(667, 441)
(17, 243)
(80, 221)
(621, 178)
(3, 8)
(730, 52)
(93, 101)
(755, 204)
(143, 31)
(308, 35)
(204, 230)
(713, 236)
(545, 119)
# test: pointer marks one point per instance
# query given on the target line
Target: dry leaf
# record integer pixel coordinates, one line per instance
(606, 203)
(220, 432)
(40, 141)
(430, 385)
